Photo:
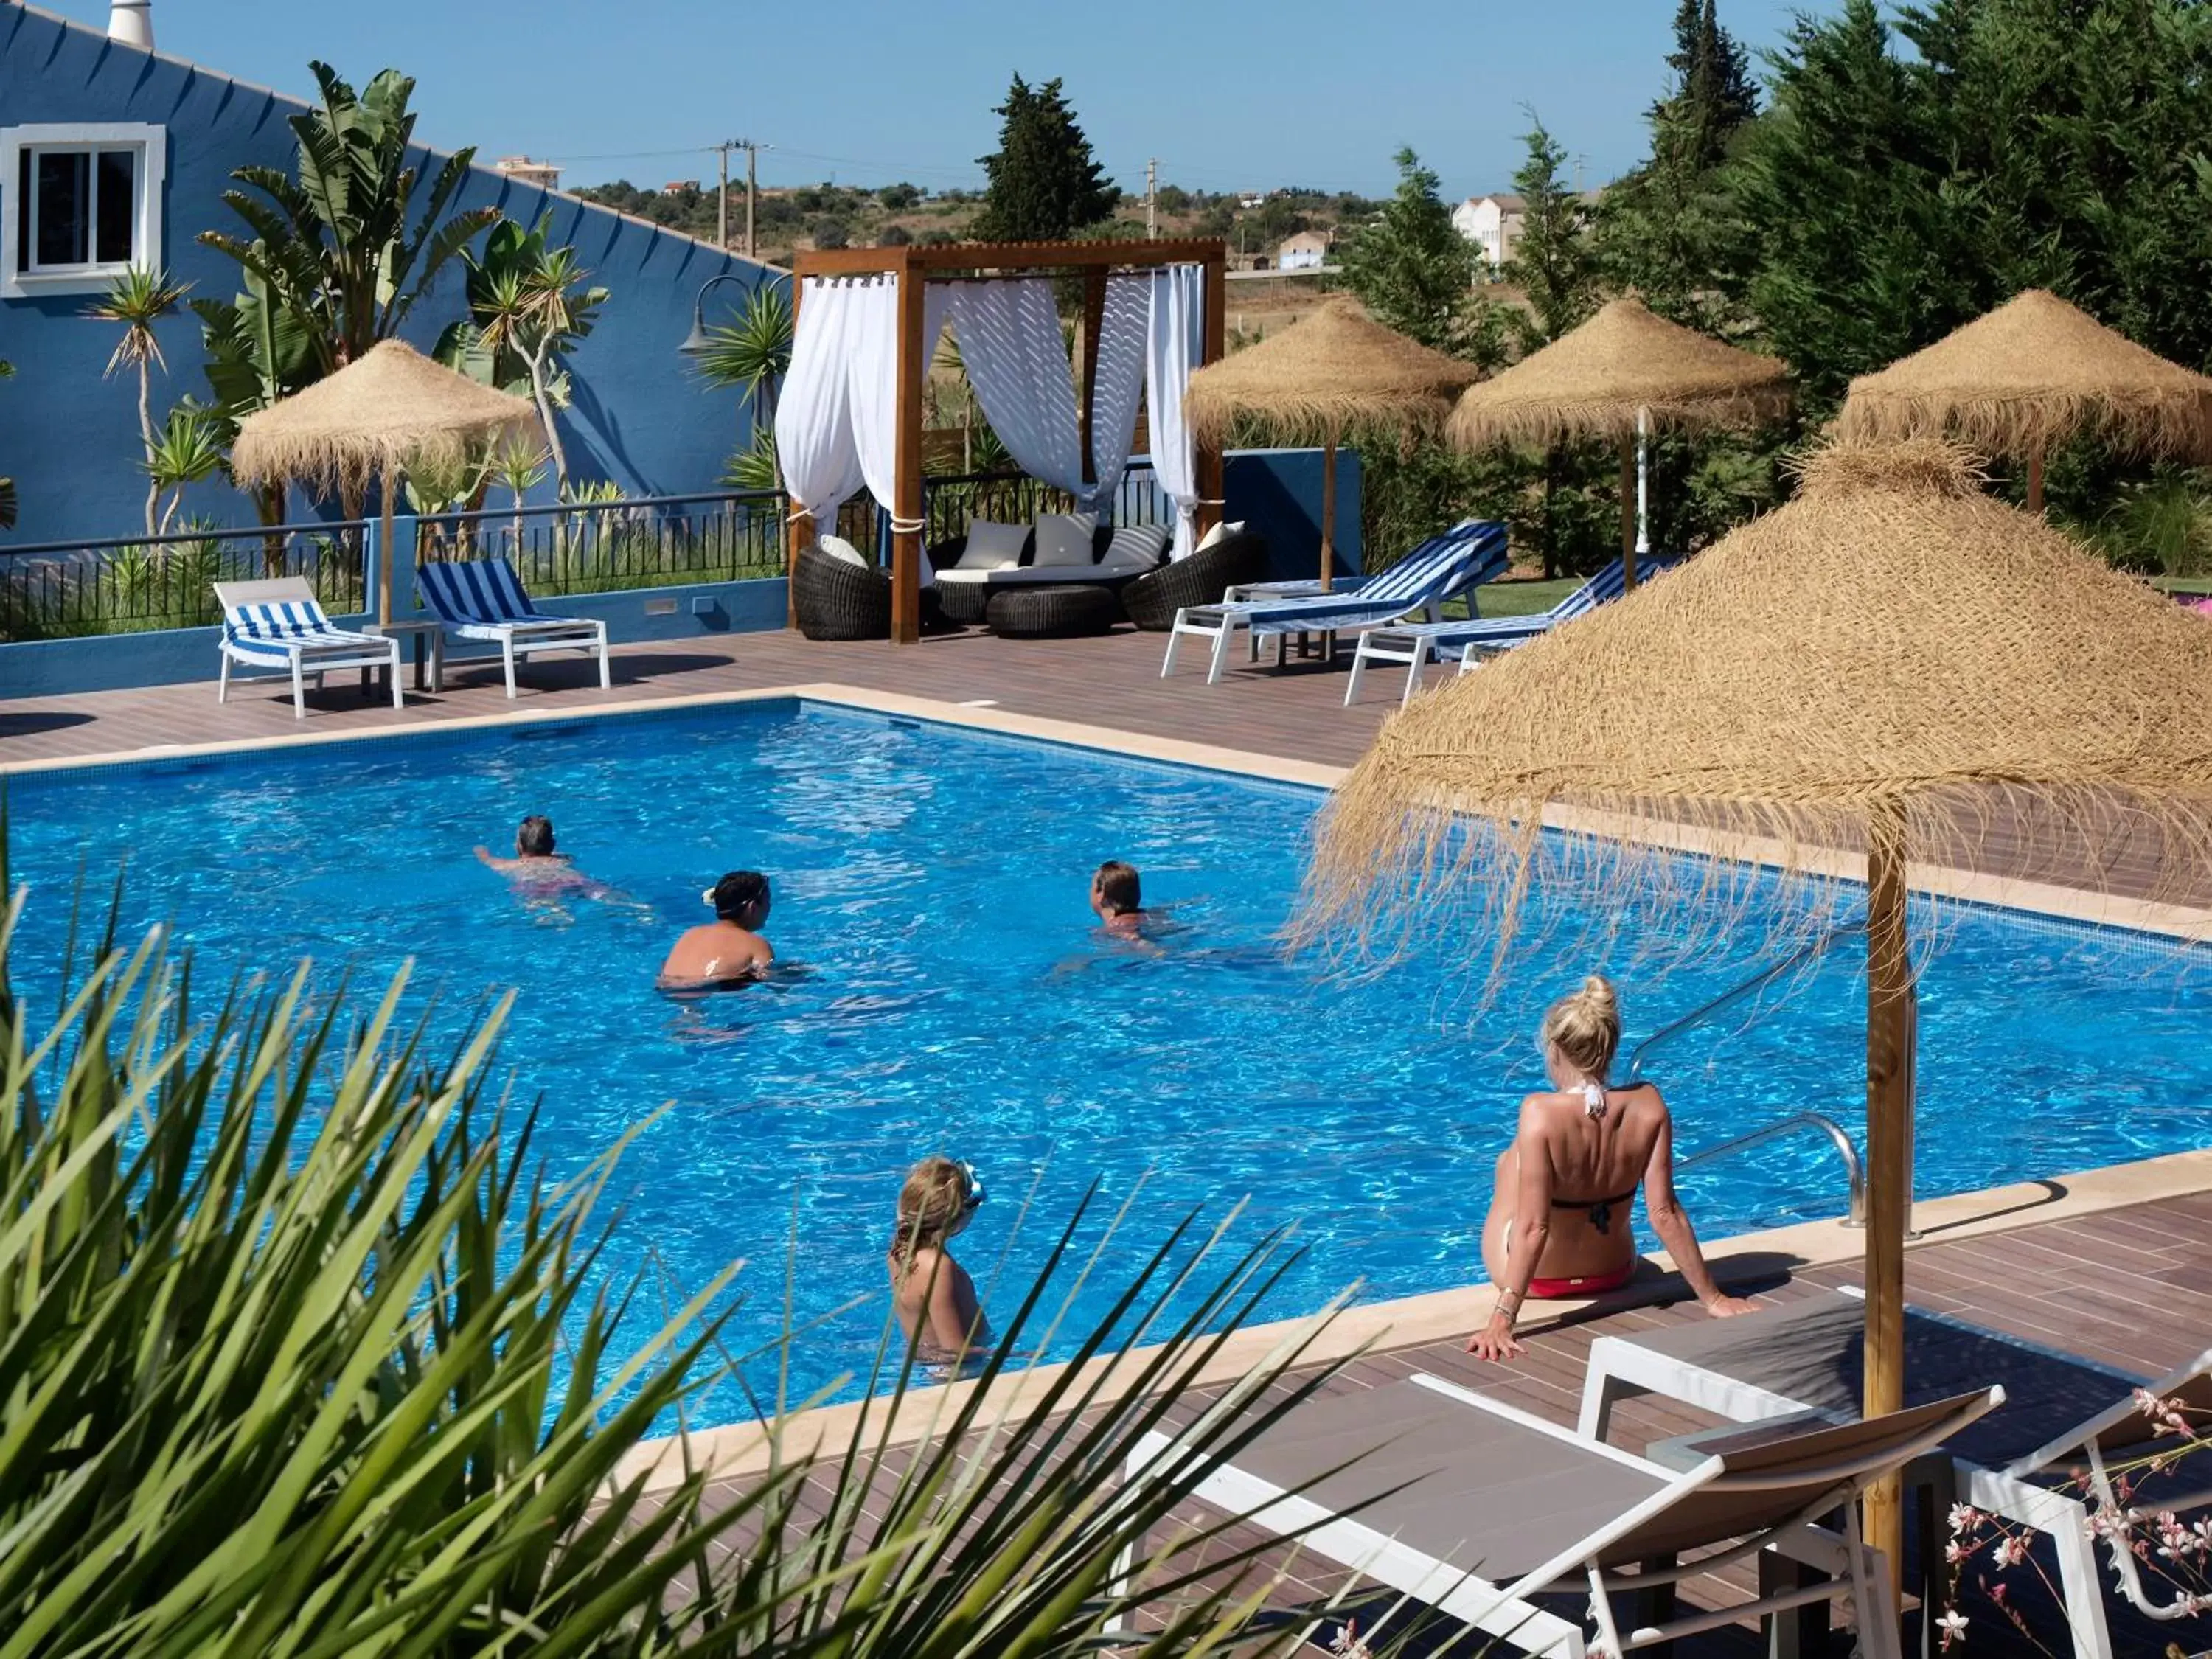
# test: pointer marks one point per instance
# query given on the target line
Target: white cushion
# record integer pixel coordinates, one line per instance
(993, 546)
(1220, 531)
(1136, 548)
(1021, 574)
(1064, 539)
(838, 547)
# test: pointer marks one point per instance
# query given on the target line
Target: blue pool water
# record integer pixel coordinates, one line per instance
(956, 999)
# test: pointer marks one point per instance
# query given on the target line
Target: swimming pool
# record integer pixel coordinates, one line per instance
(932, 880)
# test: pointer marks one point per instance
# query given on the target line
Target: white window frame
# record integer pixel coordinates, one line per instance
(152, 143)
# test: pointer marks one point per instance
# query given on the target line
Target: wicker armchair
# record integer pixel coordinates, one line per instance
(1152, 599)
(834, 601)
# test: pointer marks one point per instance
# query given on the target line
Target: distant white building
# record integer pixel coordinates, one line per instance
(546, 175)
(1492, 223)
(1307, 251)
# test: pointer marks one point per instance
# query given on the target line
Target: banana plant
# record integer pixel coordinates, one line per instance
(257, 352)
(303, 1357)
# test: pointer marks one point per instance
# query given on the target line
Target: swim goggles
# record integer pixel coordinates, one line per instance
(975, 1194)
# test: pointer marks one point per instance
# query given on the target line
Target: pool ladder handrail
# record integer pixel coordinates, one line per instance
(1854, 1166)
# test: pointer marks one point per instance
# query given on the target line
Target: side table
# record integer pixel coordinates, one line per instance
(426, 642)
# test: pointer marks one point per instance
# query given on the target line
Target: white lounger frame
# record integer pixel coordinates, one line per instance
(1620, 1367)
(1508, 1611)
(307, 659)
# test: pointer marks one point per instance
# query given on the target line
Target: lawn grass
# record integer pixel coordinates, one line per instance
(1513, 597)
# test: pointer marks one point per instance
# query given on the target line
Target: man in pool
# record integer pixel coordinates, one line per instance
(537, 868)
(1118, 896)
(729, 950)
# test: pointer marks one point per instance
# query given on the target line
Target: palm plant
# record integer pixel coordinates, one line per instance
(138, 298)
(302, 1360)
(517, 467)
(7, 485)
(332, 249)
(528, 307)
(753, 353)
(257, 352)
(192, 446)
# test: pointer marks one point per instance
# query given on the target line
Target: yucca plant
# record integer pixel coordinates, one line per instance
(300, 1360)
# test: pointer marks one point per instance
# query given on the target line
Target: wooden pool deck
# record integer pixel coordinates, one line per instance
(2130, 1285)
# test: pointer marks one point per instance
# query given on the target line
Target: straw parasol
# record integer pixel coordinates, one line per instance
(1335, 370)
(1624, 374)
(1893, 662)
(2033, 372)
(389, 408)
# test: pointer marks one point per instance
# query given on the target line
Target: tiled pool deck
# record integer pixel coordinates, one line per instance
(2116, 1264)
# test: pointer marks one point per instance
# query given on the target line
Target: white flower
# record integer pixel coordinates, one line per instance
(1347, 1644)
(1964, 1518)
(2011, 1551)
(1953, 1624)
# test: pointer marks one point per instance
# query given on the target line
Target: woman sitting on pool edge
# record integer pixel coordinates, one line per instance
(1584, 1138)
(933, 1295)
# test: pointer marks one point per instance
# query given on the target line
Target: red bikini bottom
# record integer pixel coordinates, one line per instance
(1554, 1290)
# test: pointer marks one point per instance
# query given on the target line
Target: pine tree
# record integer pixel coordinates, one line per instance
(1043, 184)
(1555, 262)
(1412, 270)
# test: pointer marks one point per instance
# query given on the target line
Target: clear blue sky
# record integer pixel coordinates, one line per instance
(1229, 94)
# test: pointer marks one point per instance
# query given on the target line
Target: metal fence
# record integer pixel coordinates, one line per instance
(52, 589)
(948, 503)
(56, 590)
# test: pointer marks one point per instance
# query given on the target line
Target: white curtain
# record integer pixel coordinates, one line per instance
(1175, 341)
(1117, 384)
(814, 447)
(872, 383)
(1017, 360)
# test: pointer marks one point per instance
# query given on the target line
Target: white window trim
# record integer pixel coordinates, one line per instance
(152, 143)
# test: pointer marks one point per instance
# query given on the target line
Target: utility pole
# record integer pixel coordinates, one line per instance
(753, 154)
(722, 193)
(1151, 198)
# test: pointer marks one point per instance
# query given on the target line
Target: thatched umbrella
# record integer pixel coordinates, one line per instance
(1332, 371)
(2032, 374)
(1624, 374)
(1895, 661)
(389, 408)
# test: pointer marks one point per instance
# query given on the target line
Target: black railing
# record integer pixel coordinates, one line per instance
(53, 590)
(611, 547)
(948, 503)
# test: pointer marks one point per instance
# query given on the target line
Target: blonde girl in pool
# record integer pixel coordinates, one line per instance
(1543, 1238)
(933, 1294)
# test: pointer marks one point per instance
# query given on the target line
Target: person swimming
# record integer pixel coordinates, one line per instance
(1583, 1137)
(729, 950)
(538, 870)
(1117, 896)
(931, 1294)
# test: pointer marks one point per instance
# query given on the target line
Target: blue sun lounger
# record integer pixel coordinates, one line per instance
(1471, 552)
(482, 599)
(1416, 644)
(277, 624)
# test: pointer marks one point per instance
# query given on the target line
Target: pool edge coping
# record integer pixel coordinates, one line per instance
(1746, 1259)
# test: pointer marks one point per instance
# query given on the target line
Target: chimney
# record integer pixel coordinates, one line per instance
(131, 23)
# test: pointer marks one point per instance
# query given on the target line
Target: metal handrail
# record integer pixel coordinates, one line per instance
(1854, 1168)
(1759, 982)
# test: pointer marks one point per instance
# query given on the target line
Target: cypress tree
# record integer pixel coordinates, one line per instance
(1410, 266)
(1044, 185)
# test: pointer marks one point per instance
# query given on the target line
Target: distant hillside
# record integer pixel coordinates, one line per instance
(841, 215)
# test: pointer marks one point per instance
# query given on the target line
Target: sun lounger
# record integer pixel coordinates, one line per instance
(1469, 553)
(277, 624)
(1417, 644)
(482, 599)
(2065, 1415)
(1473, 1508)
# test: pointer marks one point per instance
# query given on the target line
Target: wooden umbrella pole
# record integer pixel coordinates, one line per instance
(2035, 478)
(392, 476)
(1329, 509)
(1889, 1146)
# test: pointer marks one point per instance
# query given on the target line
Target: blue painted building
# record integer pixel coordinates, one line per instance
(112, 154)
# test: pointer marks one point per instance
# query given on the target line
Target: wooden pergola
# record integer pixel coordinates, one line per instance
(914, 266)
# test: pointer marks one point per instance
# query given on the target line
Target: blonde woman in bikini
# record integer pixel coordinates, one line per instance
(1560, 1221)
(934, 1295)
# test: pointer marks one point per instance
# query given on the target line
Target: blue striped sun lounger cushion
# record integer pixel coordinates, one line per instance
(480, 593)
(1466, 554)
(275, 633)
(1601, 589)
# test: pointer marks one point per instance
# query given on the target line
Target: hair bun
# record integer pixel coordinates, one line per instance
(1598, 991)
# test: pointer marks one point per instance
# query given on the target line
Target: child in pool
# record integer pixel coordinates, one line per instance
(933, 1294)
